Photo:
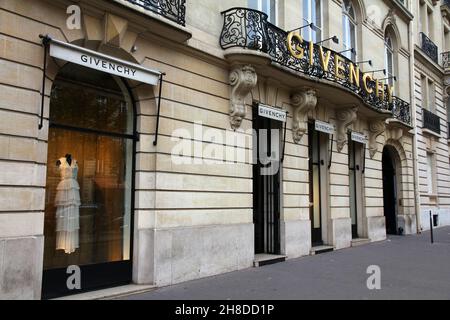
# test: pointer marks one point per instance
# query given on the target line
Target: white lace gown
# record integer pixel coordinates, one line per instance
(67, 202)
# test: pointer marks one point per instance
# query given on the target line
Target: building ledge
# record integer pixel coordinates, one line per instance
(425, 59)
(144, 21)
(401, 7)
(395, 123)
(430, 133)
(158, 24)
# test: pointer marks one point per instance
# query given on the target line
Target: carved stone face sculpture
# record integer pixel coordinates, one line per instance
(249, 76)
(311, 96)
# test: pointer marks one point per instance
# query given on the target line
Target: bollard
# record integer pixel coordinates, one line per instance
(431, 227)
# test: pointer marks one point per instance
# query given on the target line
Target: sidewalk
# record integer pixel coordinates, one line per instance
(411, 268)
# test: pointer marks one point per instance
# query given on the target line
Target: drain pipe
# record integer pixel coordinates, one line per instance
(417, 204)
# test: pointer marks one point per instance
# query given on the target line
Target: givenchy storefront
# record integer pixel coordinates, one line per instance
(89, 201)
(126, 189)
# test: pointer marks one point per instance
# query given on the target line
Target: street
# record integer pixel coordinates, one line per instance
(411, 268)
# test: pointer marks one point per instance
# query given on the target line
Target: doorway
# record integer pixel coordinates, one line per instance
(355, 165)
(390, 190)
(318, 183)
(266, 185)
(90, 183)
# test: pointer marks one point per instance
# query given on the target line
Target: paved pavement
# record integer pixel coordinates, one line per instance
(411, 268)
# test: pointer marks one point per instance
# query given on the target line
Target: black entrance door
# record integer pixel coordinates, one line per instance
(355, 154)
(315, 165)
(389, 192)
(266, 188)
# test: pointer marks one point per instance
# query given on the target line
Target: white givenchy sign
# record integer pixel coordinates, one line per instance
(324, 127)
(272, 113)
(359, 137)
(94, 60)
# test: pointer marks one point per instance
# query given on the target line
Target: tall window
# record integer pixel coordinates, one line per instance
(428, 94)
(431, 96)
(349, 29)
(269, 7)
(88, 204)
(430, 174)
(312, 14)
(389, 58)
(446, 38)
(426, 19)
(424, 89)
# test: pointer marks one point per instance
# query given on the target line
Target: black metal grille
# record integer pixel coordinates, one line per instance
(431, 121)
(250, 29)
(401, 110)
(174, 10)
(428, 46)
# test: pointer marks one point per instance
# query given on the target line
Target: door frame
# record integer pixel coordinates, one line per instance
(324, 182)
(257, 197)
(359, 152)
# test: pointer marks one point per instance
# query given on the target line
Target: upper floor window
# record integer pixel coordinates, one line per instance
(349, 29)
(269, 7)
(425, 20)
(312, 13)
(428, 89)
(389, 58)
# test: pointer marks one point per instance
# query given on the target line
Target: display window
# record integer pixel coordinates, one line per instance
(89, 190)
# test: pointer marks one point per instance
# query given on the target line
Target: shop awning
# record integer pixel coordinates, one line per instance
(101, 62)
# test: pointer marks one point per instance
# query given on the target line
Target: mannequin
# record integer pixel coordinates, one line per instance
(68, 157)
(67, 204)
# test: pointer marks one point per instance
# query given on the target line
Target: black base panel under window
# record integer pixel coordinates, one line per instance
(93, 277)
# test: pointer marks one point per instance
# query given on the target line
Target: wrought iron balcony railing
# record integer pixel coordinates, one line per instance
(401, 110)
(428, 46)
(446, 59)
(431, 121)
(174, 10)
(250, 29)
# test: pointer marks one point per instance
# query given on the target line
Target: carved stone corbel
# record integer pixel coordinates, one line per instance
(345, 118)
(242, 80)
(302, 101)
(376, 128)
(446, 88)
(394, 134)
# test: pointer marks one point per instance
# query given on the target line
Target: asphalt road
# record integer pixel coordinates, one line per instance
(411, 268)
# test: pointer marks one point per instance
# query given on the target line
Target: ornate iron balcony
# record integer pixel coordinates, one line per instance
(428, 46)
(446, 59)
(250, 29)
(401, 110)
(245, 28)
(174, 10)
(431, 121)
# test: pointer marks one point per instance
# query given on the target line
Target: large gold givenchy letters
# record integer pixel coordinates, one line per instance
(341, 65)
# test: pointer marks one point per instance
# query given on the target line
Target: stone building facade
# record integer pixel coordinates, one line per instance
(431, 46)
(162, 107)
